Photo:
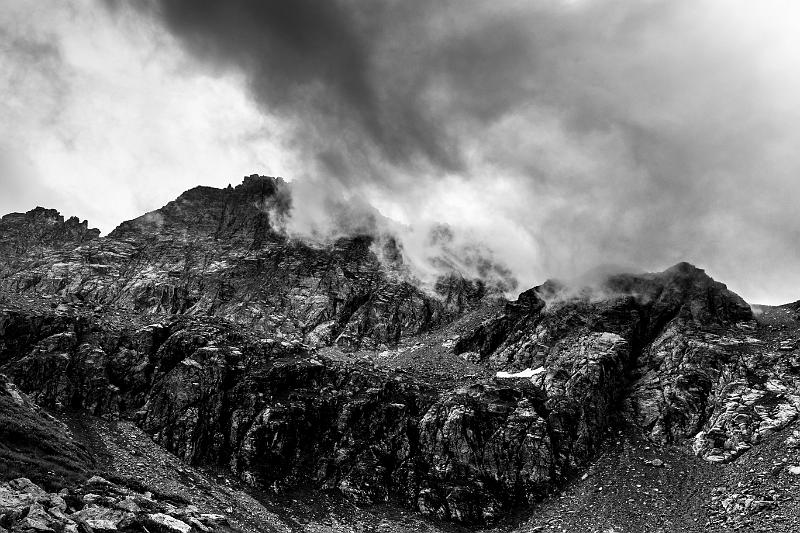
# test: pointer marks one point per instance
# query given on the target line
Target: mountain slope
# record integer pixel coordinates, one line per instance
(296, 366)
(219, 252)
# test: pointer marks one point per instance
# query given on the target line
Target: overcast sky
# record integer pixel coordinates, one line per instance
(557, 134)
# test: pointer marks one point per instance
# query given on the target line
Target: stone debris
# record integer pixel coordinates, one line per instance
(26, 507)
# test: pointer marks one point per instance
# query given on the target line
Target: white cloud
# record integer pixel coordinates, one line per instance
(114, 120)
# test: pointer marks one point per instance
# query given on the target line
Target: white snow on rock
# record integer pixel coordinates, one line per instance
(527, 373)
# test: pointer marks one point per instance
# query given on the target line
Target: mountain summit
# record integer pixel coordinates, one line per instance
(197, 369)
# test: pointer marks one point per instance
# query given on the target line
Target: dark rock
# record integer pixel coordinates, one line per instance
(30, 233)
(239, 348)
(222, 252)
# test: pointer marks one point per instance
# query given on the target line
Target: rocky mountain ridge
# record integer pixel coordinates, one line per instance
(289, 365)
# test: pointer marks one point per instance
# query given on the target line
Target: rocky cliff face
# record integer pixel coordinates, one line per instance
(221, 252)
(296, 365)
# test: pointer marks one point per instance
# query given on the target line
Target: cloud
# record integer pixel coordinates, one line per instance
(560, 135)
(553, 135)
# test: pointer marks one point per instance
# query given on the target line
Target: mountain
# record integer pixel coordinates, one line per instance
(198, 369)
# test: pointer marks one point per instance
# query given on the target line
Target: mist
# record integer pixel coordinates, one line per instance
(549, 137)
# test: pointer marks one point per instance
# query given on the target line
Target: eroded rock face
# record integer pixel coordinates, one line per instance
(29, 233)
(236, 347)
(487, 448)
(222, 252)
(279, 417)
(658, 334)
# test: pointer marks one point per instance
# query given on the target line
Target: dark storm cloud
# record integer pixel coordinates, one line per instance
(410, 78)
(641, 133)
(316, 61)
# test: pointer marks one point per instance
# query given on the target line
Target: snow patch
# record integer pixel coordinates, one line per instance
(527, 373)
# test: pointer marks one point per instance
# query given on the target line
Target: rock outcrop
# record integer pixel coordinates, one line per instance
(38, 229)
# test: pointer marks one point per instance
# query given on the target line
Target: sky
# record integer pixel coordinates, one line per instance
(550, 136)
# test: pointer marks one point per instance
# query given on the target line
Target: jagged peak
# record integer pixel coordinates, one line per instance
(38, 213)
(252, 184)
(254, 210)
(682, 289)
(42, 226)
(683, 272)
(684, 267)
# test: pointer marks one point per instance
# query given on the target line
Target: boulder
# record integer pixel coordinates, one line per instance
(163, 523)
